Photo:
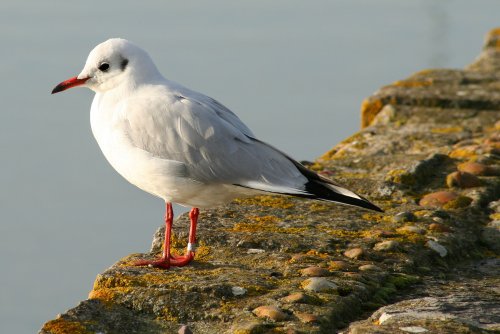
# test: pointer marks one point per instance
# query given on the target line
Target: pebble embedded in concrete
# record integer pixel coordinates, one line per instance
(318, 284)
(437, 199)
(238, 291)
(337, 265)
(306, 317)
(354, 253)
(297, 297)
(314, 271)
(369, 267)
(270, 312)
(438, 248)
(462, 180)
(411, 229)
(385, 246)
(185, 330)
(477, 168)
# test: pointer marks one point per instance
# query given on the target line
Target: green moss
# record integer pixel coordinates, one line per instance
(402, 281)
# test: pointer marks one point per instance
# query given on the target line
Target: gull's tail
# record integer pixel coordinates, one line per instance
(323, 189)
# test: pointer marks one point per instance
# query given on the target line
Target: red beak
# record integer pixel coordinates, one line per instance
(70, 83)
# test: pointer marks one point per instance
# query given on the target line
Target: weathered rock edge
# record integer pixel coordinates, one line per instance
(261, 251)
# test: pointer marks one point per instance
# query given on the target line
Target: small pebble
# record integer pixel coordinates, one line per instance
(439, 227)
(405, 216)
(369, 267)
(462, 180)
(271, 312)
(440, 249)
(438, 219)
(476, 168)
(255, 251)
(413, 329)
(238, 291)
(247, 327)
(354, 253)
(306, 317)
(314, 271)
(338, 265)
(411, 229)
(318, 284)
(184, 330)
(437, 199)
(298, 258)
(297, 297)
(387, 245)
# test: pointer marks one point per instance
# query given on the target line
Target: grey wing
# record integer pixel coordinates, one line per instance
(212, 143)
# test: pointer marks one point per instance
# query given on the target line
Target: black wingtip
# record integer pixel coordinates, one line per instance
(321, 191)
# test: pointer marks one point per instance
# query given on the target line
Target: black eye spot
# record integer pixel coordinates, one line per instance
(103, 67)
(124, 64)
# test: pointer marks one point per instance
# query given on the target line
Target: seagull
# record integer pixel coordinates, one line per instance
(183, 146)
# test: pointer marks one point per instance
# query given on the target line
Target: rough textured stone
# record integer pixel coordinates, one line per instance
(466, 303)
(429, 124)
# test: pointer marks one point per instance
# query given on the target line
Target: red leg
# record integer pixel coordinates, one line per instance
(190, 251)
(167, 259)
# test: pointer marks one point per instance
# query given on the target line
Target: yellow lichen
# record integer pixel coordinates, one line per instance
(465, 152)
(62, 326)
(315, 253)
(108, 294)
(266, 224)
(409, 83)
(168, 315)
(318, 207)
(495, 216)
(425, 72)
(375, 217)
(421, 213)
(369, 109)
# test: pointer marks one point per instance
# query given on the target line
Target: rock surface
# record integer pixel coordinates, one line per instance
(416, 132)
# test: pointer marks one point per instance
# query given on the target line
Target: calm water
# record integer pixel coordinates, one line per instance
(294, 71)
